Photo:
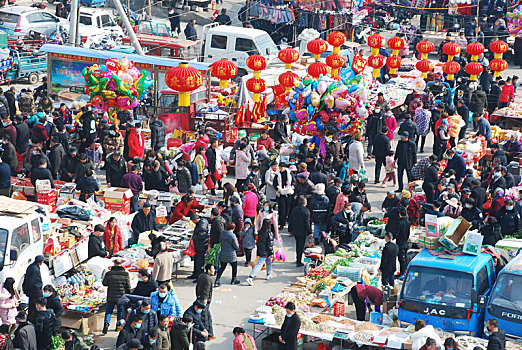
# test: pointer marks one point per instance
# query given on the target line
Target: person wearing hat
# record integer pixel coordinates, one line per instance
(56, 156)
(265, 140)
(457, 163)
(133, 344)
(319, 206)
(23, 134)
(463, 112)
(199, 331)
(304, 187)
(73, 342)
(84, 165)
(113, 141)
(24, 337)
(452, 208)
(269, 177)
(441, 138)
(69, 164)
(143, 221)
(318, 175)
(96, 246)
(406, 157)
(136, 142)
(32, 285)
(242, 161)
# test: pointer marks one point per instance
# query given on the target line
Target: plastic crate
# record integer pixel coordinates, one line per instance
(353, 273)
(338, 309)
(371, 264)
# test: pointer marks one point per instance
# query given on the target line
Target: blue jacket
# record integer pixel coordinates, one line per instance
(169, 307)
(458, 164)
(484, 128)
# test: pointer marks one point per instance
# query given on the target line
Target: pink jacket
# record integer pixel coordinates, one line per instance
(8, 310)
(273, 218)
(339, 203)
(239, 342)
(250, 202)
(390, 164)
(391, 123)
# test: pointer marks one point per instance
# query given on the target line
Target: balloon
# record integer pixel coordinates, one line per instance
(324, 116)
(339, 91)
(319, 124)
(124, 64)
(341, 104)
(112, 64)
(322, 86)
(127, 78)
(315, 99)
(109, 94)
(123, 102)
(329, 101)
(301, 114)
(310, 111)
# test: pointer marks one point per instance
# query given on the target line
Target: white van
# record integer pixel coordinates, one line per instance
(96, 22)
(21, 240)
(236, 44)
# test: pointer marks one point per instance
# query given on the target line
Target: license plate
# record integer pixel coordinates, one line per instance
(307, 260)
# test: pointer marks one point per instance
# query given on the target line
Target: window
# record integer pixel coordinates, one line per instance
(86, 20)
(491, 271)
(506, 293)
(34, 18)
(219, 42)
(8, 18)
(47, 17)
(482, 281)
(106, 21)
(20, 239)
(3, 245)
(35, 226)
(245, 45)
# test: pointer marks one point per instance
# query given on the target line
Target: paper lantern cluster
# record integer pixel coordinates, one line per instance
(498, 64)
(335, 61)
(288, 79)
(183, 79)
(394, 61)
(451, 67)
(474, 68)
(223, 70)
(256, 85)
(376, 61)
(317, 47)
(115, 85)
(425, 47)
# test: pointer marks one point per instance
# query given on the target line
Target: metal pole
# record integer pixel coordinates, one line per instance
(128, 27)
(73, 25)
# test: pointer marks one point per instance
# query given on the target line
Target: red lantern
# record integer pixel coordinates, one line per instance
(317, 69)
(498, 47)
(288, 56)
(393, 62)
(375, 41)
(396, 43)
(336, 39)
(278, 89)
(256, 86)
(451, 49)
(335, 62)
(424, 66)
(474, 69)
(183, 79)
(451, 68)
(498, 65)
(288, 80)
(425, 47)
(256, 63)
(475, 49)
(223, 70)
(317, 47)
(376, 62)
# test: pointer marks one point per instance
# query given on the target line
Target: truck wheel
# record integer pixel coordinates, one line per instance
(33, 78)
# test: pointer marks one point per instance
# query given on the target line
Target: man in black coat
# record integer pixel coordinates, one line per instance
(190, 31)
(479, 101)
(10, 95)
(494, 96)
(199, 332)
(204, 292)
(299, 227)
(132, 330)
(157, 133)
(406, 157)
(46, 325)
(146, 284)
(143, 221)
(56, 156)
(69, 164)
(212, 161)
(409, 126)
(478, 193)
(402, 236)
(497, 338)
(430, 178)
(381, 149)
(388, 260)
(33, 285)
(200, 238)
(41, 173)
(115, 168)
(499, 153)
(463, 111)
(174, 19)
(118, 283)
(289, 329)
(280, 130)
(96, 247)
(23, 134)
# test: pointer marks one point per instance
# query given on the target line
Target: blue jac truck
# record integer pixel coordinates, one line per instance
(443, 291)
(505, 302)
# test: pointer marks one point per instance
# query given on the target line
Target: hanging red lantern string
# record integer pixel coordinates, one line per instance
(376, 61)
(256, 85)
(288, 80)
(498, 65)
(475, 49)
(451, 68)
(424, 66)
(396, 43)
(288, 56)
(223, 70)
(183, 79)
(317, 47)
(451, 49)
(336, 39)
(317, 69)
(474, 69)
(425, 47)
(393, 62)
(335, 62)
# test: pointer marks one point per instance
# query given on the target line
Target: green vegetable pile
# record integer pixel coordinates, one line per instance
(57, 343)
(320, 287)
(212, 255)
(376, 223)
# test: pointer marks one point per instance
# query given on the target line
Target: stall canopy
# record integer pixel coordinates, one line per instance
(101, 54)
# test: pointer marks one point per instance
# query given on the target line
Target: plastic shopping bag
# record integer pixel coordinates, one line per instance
(362, 175)
(190, 251)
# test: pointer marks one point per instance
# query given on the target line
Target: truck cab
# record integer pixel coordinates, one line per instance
(505, 303)
(97, 22)
(236, 44)
(21, 240)
(443, 290)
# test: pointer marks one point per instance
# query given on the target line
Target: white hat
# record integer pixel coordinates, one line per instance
(319, 188)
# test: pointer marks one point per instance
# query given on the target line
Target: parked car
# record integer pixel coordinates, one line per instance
(18, 21)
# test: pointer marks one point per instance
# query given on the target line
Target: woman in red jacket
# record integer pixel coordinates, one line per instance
(186, 206)
(136, 142)
(507, 93)
(112, 237)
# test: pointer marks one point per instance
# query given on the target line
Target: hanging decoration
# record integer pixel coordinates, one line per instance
(394, 61)
(289, 80)
(376, 61)
(183, 79)
(288, 56)
(450, 67)
(498, 47)
(317, 69)
(424, 66)
(115, 85)
(255, 84)
(474, 68)
(358, 63)
(425, 47)
(335, 62)
(223, 70)
(317, 47)
(336, 39)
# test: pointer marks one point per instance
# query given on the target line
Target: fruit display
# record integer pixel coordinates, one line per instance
(317, 273)
(276, 301)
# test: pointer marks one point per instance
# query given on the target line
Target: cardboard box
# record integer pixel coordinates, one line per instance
(43, 185)
(86, 323)
(455, 233)
(429, 242)
(473, 243)
(118, 199)
(436, 226)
